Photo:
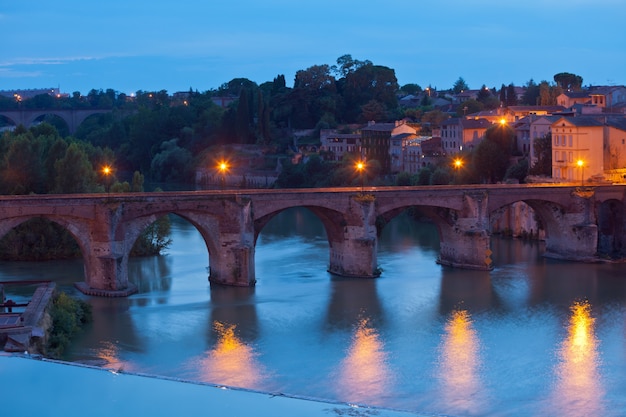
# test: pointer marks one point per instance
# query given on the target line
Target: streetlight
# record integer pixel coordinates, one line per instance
(106, 171)
(581, 165)
(360, 167)
(222, 167)
(458, 163)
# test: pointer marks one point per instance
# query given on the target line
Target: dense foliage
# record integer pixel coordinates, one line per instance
(68, 316)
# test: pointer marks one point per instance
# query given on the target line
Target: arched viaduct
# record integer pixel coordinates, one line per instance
(580, 223)
(73, 117)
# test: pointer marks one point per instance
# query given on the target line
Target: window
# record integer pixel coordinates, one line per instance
(556, 140)
(571, 141)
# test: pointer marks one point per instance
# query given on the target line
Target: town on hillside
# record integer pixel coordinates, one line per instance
(571, 134)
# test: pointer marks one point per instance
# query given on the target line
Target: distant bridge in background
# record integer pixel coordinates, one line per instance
(73, 117)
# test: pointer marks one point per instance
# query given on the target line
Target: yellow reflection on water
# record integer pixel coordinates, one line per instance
(364, 376)
(231, 362)
(459, 366)
(109, 352)
(578, 390)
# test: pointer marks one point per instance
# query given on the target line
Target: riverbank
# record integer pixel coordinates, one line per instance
(105, 392)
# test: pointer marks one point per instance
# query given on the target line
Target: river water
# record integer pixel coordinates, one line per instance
(533, 337)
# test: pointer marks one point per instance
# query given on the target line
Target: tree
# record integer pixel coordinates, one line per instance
(75, 174)
(172, 163)
(469, 107)
(548, 94)
(411, 89)
(369, 82)
(459, 86)
(491, 156)
(511, 95)
(531, 95)
(543, 151)
(568, 81)
(346, 65)
(244, 118)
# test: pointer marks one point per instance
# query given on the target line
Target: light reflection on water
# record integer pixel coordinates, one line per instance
(579, 385)
(231, 362)
(302, 331)
(364, 373)
(459, 367)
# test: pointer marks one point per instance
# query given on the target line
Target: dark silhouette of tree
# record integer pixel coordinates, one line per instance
(531, 95)
(511, 96)
(491, 156)
(459, 86)
(568, 81)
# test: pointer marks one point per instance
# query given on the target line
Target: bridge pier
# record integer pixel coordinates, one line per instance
(467, 249)
(577, 236)
(464, 237)
(353, 252)
(233, 264)
(106, 271)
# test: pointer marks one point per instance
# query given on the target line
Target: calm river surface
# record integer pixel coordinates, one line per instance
(533, 337)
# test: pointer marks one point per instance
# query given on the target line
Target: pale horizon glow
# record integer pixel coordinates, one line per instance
(150, 46)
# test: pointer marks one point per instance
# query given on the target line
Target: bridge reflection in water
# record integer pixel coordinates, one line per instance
(578, 390)
(460, 365)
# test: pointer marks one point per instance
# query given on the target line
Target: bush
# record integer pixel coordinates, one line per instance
(68, 316)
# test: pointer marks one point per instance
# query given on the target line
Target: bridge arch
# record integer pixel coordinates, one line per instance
(347, 256)
(78, 229)
(205, 224)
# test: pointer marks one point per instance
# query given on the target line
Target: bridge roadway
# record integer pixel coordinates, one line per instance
(581, 224)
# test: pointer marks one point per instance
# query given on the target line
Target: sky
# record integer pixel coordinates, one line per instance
(132, 45)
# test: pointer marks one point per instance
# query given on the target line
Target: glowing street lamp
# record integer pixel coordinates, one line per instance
(107, 171)
(458, 163)
(222, 167)
(581, 164)
(360, 167)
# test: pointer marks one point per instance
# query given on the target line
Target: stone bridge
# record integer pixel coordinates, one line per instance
(73, 117)
(581, 224)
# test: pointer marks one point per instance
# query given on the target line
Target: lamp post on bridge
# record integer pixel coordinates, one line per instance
(360, 167)
(581, 164)
(223, 169)
(107, 171)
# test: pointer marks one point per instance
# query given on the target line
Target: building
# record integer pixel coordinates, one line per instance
(30, 93)
(376, 141)
(604, 97)
(458, 134)
(413, 156)
(577, 148)
(336, 145)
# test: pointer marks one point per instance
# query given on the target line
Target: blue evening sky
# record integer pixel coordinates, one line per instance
(131, 45)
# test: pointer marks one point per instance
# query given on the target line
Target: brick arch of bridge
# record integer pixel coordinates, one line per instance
(570, 229)
(78, 228)
(460, 218)
(206, 224)
(350, 231)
